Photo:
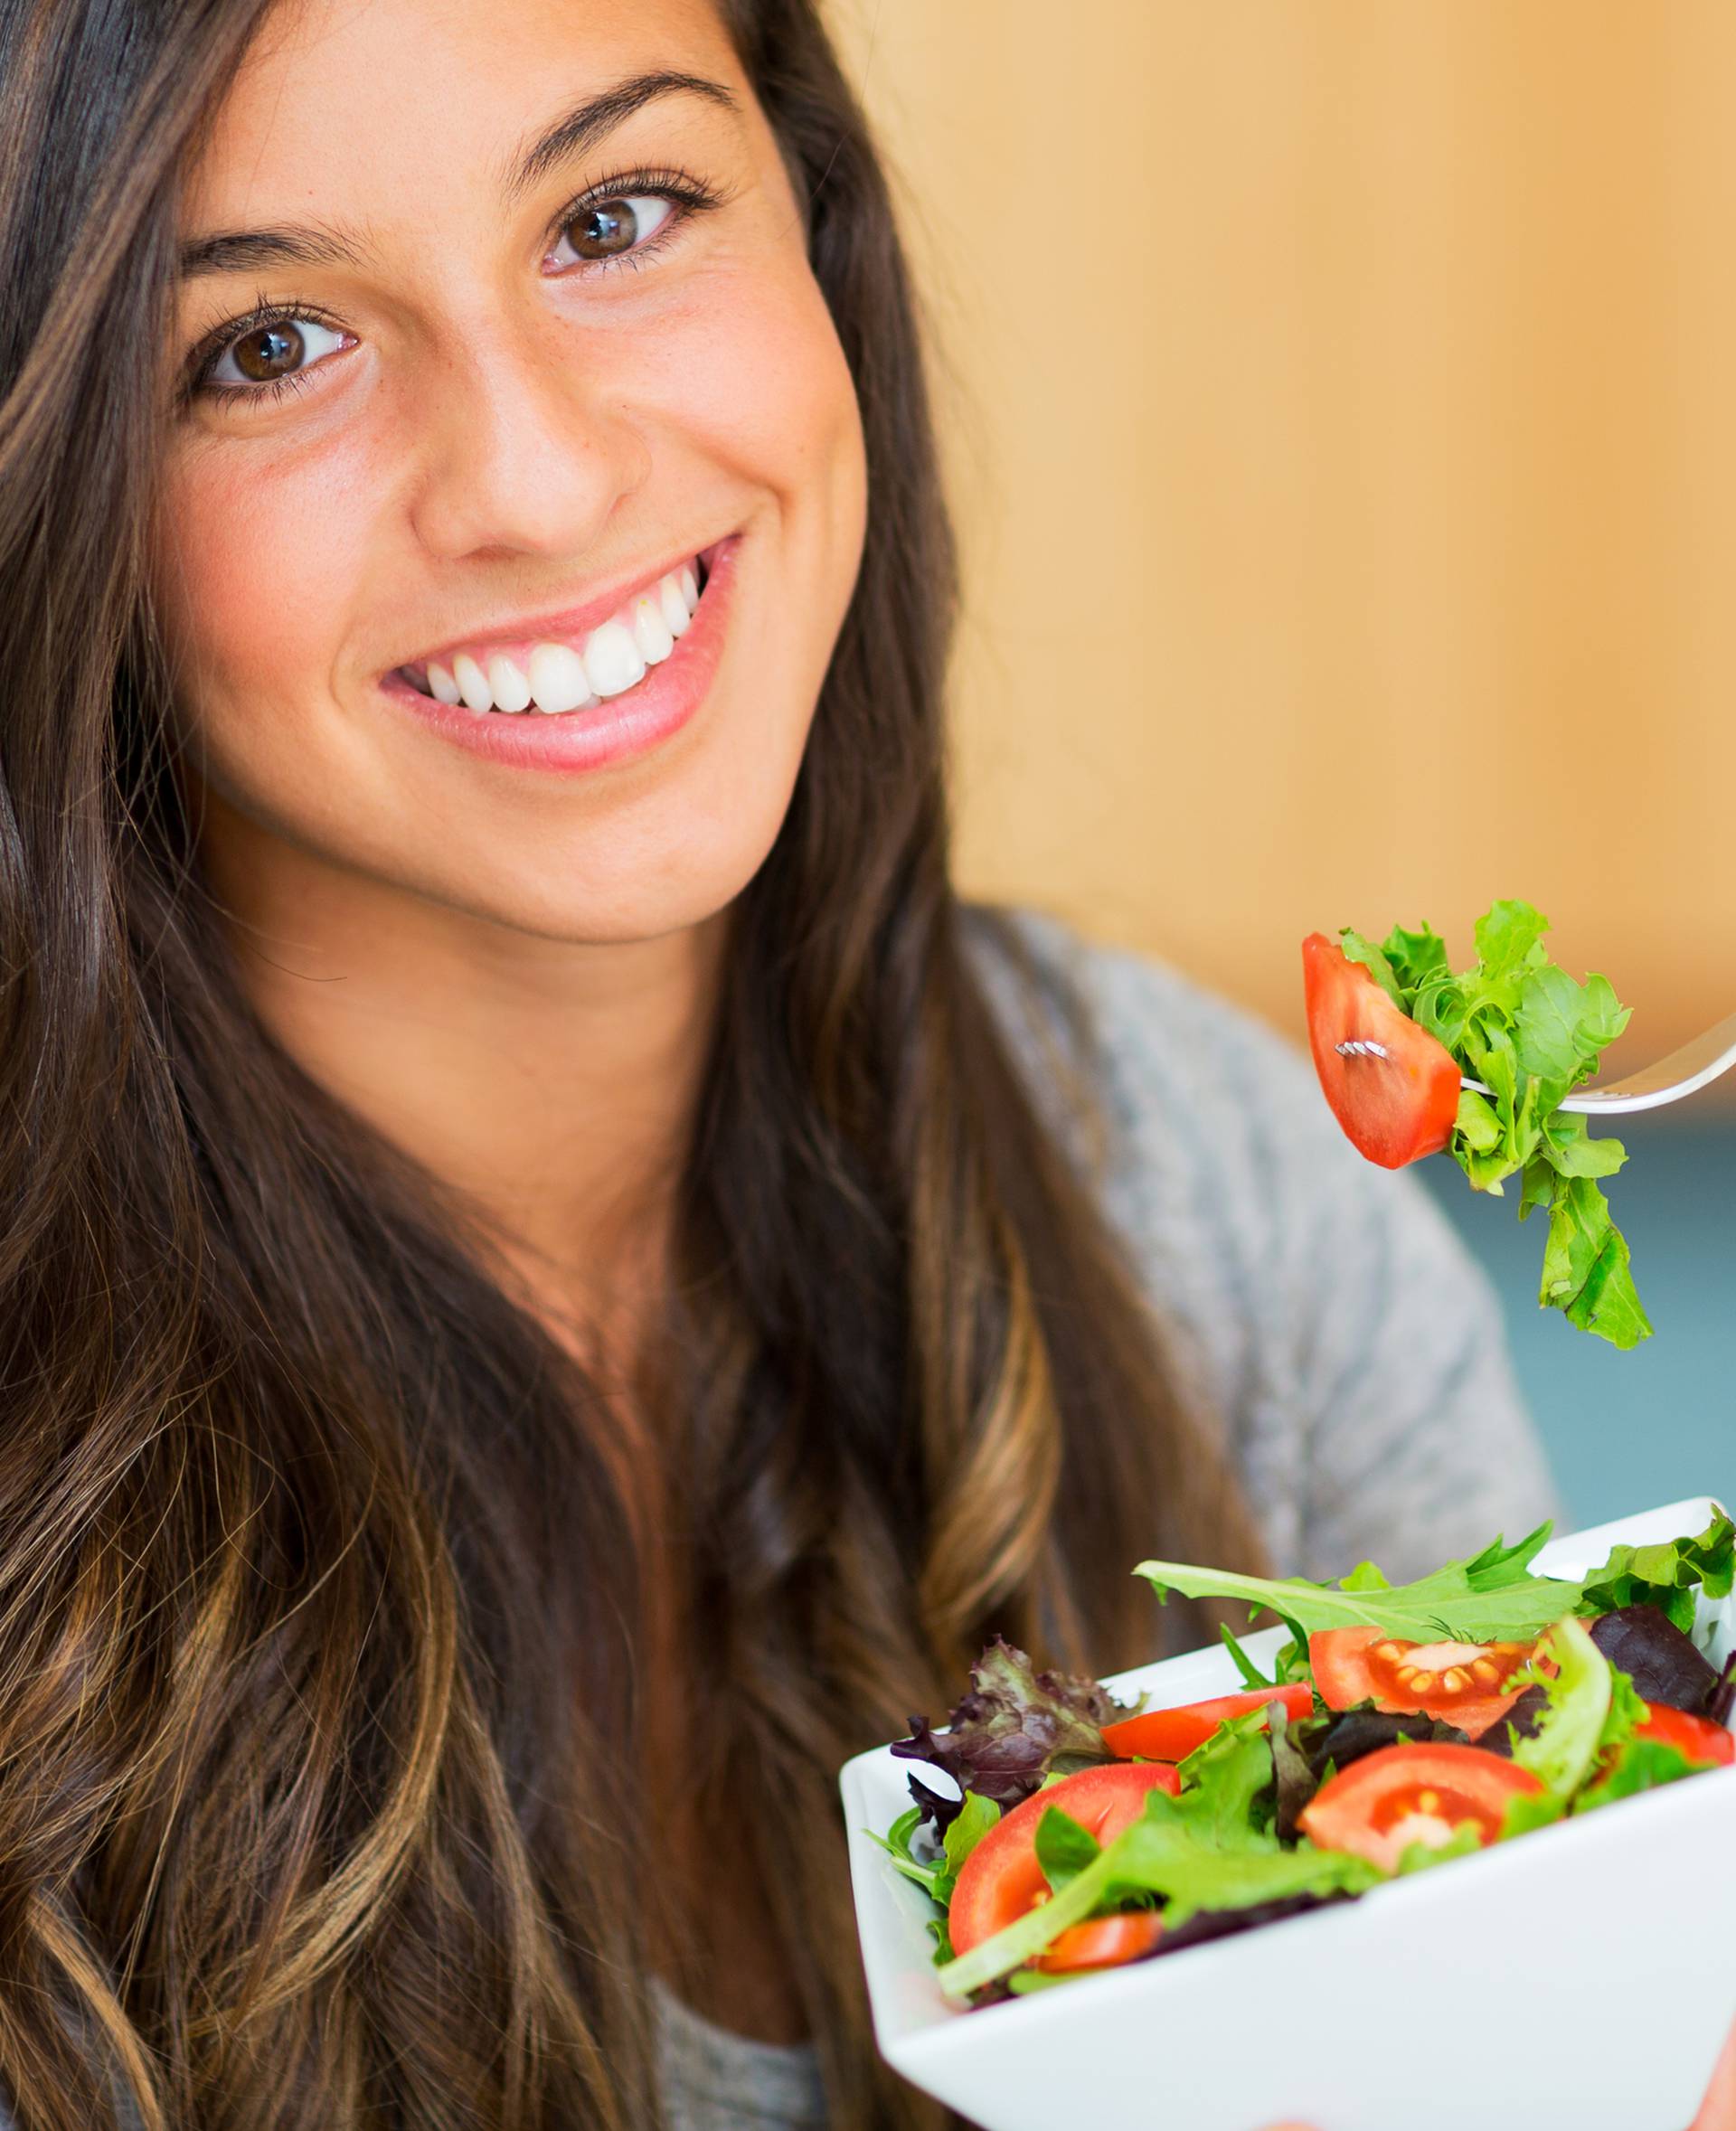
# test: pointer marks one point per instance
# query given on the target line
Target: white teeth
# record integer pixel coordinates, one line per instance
(673, 607)
(511, 690)
(472, 682)
(651, 633)
(558, 678)
(612, 659)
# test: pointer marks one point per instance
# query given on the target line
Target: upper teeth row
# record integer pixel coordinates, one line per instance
(557, 676)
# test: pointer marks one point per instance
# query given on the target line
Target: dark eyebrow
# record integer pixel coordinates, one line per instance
(575, 132)
(587, 124)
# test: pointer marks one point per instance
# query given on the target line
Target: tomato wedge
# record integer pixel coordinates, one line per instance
(1171, 1735)
(1460, 1682)
(1104, 1943)
(1001, 1878)
(1412, 1793)
(1398, 1099)
(1697, 1738)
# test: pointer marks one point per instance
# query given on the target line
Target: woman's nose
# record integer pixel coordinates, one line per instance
(518, 448)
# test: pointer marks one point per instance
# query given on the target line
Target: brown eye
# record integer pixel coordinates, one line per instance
(610, 228)
(263, 356)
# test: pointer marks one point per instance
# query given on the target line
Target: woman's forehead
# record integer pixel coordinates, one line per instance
(336, 96)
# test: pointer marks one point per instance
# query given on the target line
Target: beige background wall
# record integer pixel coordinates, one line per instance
(1343, 424)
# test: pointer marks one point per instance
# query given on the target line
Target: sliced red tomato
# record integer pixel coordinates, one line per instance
(1001, 1878)
(1460, 1682)
(1104, 1943)
(1698, 1737)
(1412, 1793)
(1171, 1735)
(1397, 1096)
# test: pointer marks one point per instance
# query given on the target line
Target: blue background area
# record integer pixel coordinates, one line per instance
(1626, 1432)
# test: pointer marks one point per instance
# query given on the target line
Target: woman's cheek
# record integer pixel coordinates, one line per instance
(753, 372)
(255, 571)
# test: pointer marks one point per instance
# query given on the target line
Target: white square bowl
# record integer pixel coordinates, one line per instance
(1580, 1978)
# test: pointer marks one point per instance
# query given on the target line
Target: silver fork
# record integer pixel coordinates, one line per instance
(1682, 1072)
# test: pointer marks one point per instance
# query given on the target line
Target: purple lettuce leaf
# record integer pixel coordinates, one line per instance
(1016, 1727)
(1661, 1661)
(1724, 1697)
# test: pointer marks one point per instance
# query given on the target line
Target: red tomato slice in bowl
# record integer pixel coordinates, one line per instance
(1696, 1738)
(1397, 1100)
(1462, 1683)
(1106, 1942)
(1001, 1878)
(1171, 1735)
(1412, 1793)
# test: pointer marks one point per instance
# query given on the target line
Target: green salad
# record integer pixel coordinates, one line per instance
(1057, 1832)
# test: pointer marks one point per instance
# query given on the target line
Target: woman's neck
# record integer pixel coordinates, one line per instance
(552, 1083)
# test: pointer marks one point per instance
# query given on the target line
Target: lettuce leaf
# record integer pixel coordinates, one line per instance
(1211, 1849)
(1488, 1598)
(1664, 1665)
(1641, 1765)
(1065, 1849)
(1530, 1034)
(896, 1843)
(1016, 1728)
(1584, 1713)
(1585, 1750)
(1668, 1576)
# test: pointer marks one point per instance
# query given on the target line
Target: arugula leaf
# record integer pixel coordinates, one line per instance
(1667, 1575)
(1251, 1675)
(1524, 1027)
(1489, 1598)
(937, 1876)
(896, 1843)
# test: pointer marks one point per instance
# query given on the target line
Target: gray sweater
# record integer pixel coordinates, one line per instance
(1352, 1350)
(1334, 1322)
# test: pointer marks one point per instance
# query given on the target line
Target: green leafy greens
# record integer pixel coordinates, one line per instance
(1667, 1575)
(938, 1878)
(1585, 1750)
(1228, 1852)
(1490, 1598)
(1212, 1848)
(1530, 1034)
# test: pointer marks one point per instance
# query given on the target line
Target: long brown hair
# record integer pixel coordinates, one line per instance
(319, 1795)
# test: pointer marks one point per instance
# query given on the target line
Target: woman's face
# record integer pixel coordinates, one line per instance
(516, 390)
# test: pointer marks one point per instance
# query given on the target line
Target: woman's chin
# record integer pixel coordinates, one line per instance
(651, 901)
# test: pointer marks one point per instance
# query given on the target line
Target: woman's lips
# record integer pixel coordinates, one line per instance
(623, 725)
(571, 662)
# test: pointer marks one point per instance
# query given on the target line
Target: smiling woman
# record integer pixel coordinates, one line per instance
(554, 1283)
